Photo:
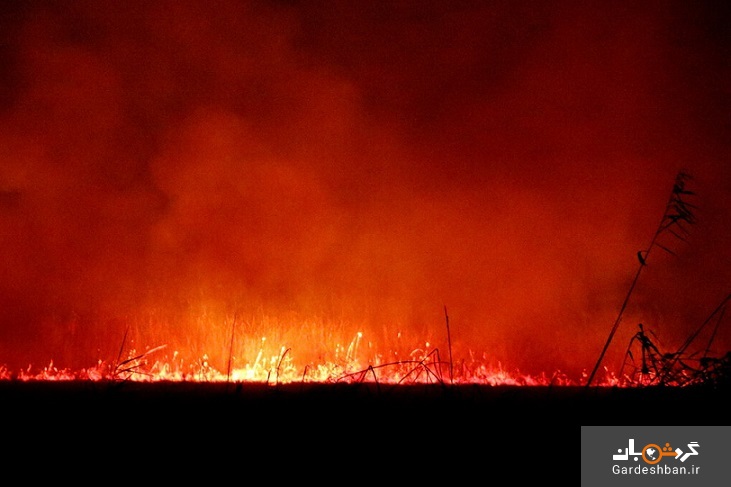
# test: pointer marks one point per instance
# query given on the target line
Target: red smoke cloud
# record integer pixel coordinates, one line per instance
(345, 167)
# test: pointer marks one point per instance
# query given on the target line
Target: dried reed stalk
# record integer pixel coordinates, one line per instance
(678, 213)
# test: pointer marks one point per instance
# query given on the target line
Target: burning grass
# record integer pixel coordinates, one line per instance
(645, 365)
(358, 360)
(423, 366)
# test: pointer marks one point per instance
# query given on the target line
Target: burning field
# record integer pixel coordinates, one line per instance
(324, 356)
(423, 210)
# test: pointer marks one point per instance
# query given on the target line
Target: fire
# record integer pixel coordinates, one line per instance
(271, 350)
(293, 348)
(360, 361)
(348, 364)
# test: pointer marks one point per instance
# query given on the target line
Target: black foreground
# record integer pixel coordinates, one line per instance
(409, 430)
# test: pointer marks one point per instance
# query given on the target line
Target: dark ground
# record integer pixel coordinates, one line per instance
(374, 431)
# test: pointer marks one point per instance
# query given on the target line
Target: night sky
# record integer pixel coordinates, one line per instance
(315, 169)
